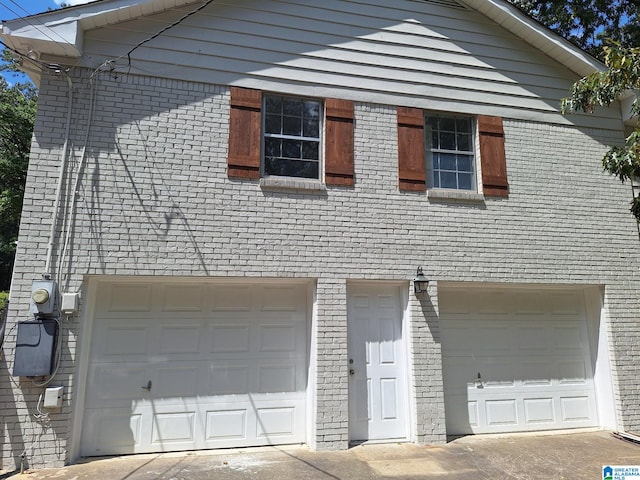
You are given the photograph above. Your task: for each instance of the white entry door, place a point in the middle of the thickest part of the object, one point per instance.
(186, 366)
(515, 360)
(377, 380)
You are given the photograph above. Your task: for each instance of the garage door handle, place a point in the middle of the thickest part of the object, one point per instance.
(147, 387)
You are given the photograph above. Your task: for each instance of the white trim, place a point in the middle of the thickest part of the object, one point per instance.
(598, 328)
(312, 359)
(83, 344)
(537, 35)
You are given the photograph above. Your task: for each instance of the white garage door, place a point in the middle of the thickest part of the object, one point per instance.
(177, 366)
(515, 360)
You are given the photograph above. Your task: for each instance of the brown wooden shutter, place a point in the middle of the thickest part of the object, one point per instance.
(492, 156)
(412, 172)
(339, 142)
(245, 136)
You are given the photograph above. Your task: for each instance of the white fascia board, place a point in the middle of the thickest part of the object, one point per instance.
(63, 39)
(60, 32)
(537, 35)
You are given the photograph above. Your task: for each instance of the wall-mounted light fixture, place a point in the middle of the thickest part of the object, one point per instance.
(420, 282)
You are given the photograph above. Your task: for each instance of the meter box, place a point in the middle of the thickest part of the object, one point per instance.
(43, 297)
(35, 348)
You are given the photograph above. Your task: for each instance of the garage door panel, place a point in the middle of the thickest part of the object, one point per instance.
(229, 379)
(535, 369)
(109, 431)
(217, 370)
(572, 372)
(175, 427)
(182, 298)
(536, 373)
(115, 383)
(130, 297)
(279, 299)
(176, 381)
(122, 340)
(277, 338)
(276, 378)
(230, 338)
(532, 339)
(576, 408)
(501, 412)
(568, 338)
(180, 339)
(539, 411)
(275, 422)
(230, 298)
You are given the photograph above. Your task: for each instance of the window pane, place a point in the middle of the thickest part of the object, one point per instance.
(292, 168)
(432, 122)
(310, 150)
(448, 141)
(447, 162)
(311, 109)
(272, 147)
(436, 179)
(463, 125)
(274, 105)
(464, 181)
(272, 124)
(448, 180)
(291, 148)
(464, 142)
(311, 127)
(447, 124)
(464, 163)
(291, 126)
(435, 141)
(292, 106)
(436, 161)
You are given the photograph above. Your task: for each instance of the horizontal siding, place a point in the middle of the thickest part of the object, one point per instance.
(415, 53)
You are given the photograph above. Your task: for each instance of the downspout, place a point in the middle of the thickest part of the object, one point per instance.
(63, 164)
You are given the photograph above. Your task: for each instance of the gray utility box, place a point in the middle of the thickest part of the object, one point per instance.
(35, 348)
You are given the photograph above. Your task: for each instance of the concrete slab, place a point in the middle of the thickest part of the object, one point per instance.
(567, 456)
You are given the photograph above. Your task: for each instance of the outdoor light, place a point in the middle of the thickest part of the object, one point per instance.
(420, 283)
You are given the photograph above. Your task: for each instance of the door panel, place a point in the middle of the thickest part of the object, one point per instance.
(377, 387)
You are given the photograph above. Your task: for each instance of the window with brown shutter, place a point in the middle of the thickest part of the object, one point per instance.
(412, 173)
(244, 133)
(339, 169)
(492, 156)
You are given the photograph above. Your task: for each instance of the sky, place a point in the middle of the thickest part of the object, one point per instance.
(11, 9)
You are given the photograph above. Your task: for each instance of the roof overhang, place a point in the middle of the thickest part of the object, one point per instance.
(59, 33)
(537, 35)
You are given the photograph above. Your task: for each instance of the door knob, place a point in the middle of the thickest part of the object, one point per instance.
(147, 387)
(352, 371)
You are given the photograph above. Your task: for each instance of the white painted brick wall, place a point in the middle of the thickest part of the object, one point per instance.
(155, 200)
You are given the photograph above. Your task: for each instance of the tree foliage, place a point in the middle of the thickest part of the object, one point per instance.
(17, 115)
(589, 24)
(622, 77)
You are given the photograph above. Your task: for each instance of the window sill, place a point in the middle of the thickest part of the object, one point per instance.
(286, 184)
(454, 195)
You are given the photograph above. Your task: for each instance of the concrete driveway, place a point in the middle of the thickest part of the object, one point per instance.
(568, 456)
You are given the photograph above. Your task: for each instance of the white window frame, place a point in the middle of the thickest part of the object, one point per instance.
(430, 150)
(319, 139)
